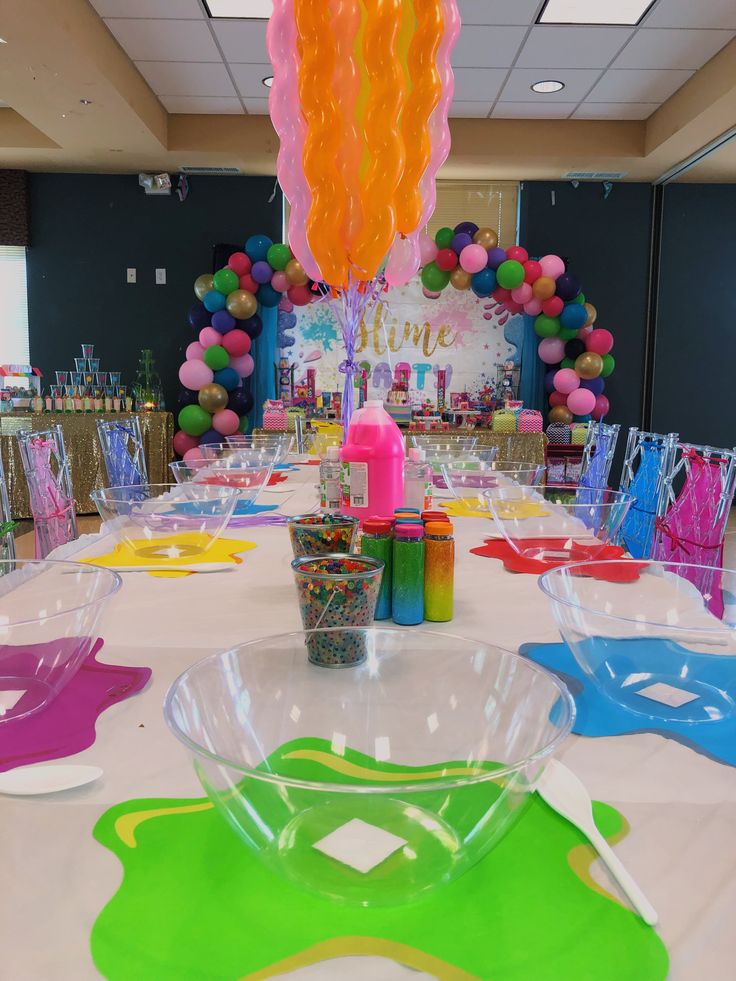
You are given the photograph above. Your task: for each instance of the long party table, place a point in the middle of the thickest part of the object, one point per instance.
(84, 452)
(680, 805)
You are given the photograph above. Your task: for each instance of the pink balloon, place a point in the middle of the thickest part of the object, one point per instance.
(236, 343)
(183, 442)
(195, 351)
(552, 350)
(404, 259)
(208, 337)
(533, 307)
(243, 365)
(552, 266)
(557, 398)
(566, 381)
(522, 294)
(240, 263)
(430, 294)
(193, 454)
(427, 249)
(226, 422)
(279, 281)
(599, 341)
(195, 374)
(581, 401)
(473, 258)
(601, 407)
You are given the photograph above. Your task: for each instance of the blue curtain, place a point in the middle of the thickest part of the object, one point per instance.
(531, 383)
(263, 379)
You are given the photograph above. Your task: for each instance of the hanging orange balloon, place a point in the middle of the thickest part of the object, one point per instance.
(346, 22)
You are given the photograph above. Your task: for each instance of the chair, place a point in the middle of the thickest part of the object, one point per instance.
(598, 453)
(7, 539)
(48, 474)
(122, 451)
(649, 460)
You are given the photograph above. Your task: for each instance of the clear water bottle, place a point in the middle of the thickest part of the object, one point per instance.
(330, 481)
(417, 481)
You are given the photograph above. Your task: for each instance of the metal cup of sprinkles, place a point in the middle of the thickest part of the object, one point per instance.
(337, 591)
(322, 534)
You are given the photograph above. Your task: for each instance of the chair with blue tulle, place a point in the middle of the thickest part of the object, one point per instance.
(7, 539)
(50, 493)
(122, 451)
(649, 460)
(598, 452)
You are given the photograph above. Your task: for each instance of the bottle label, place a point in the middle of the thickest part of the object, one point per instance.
(330, 493)
(427, 506)
(355, 485)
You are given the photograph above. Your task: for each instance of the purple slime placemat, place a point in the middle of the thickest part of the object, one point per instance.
(67, 725)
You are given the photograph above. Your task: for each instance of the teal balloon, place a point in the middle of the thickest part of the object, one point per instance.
(257, 246)
(573, 316)
(214, 301)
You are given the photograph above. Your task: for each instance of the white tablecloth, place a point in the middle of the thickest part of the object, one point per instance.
(681, 806)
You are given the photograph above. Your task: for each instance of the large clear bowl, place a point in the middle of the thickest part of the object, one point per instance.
(427, 440)
(412, 765)
(558, 523)
(245, 471)
(658, 638)
(166, 521)
(281, 442)
(468, 479)
(271, 453)
(49, 613)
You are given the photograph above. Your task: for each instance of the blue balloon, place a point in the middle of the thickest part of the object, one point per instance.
(582, 418)
(594, 385)
(214, 301)
(257, 246)
(573, 316)
(211, 436)
(228, 378)
(253, 326)
(267, 296)
(549, 380)
(483, 283)
(223, 321)
(459, 242)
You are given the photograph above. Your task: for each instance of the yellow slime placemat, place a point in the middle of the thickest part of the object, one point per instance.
(187, 548)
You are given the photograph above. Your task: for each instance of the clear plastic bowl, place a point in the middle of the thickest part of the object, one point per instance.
(557, 523)
(49, 613)
(416, 762)
(468, 479)
(246, 471)
(658, 638)
(282, 442)
(425, 440)
(160, 521)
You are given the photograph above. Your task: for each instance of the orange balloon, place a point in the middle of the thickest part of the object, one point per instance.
(460, 279)
(560, 413)
(543, 288)
(346, 22)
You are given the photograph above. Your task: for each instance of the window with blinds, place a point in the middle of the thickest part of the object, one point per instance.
(490, 204)
(14, 345)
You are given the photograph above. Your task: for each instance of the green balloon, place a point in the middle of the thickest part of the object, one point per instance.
(243, 424)
(226, 281)
(194, 420)
(279, 256)
(580, 298)
(567, 363)
(443, 239)
(510, 274)
(568, 333)
(434, 278)
(609, 363)
(545, 326)
(216, 357)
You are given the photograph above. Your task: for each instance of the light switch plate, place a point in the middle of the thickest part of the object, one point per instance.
(131, 276)
(160, 277)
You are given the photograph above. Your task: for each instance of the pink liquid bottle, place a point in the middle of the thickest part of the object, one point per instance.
(373, 464)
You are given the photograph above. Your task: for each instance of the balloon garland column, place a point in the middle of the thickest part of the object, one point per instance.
(213, 403)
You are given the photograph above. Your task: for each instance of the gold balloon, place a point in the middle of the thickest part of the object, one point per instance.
(203, 284)
(212, 397)
(588, 365)
(241, 304)
(592, 314)
(486, 237)
(460, 279)
(560, 413)
(295, 273)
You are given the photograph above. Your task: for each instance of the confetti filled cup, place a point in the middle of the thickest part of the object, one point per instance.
(337, 591)
(321, 534)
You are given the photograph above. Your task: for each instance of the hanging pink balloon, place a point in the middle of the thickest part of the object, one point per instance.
(280, 281)
(194, 454)
(243, 365)
(195, 374)
(208, 337)
(599, 341)
(566, 381)
(601, 407)
(226, 422)
(552, 266)
(551, 350)
(473, 258)
(581, 401)
(403, 260)
(522, 294)
(427, 248)
(533, 307)
(195, 351)
(183, 443)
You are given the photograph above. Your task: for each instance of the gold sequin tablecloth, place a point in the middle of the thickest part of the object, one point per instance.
(83, 450)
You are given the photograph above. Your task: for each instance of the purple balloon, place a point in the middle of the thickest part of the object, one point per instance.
(468, 227)
(240, 402)
(223, 321)
(496, 257)
(567, 287)
(594, 385)
(261, 272)
(211, 436)
(460, 241)
(549, 379)
(198, 316)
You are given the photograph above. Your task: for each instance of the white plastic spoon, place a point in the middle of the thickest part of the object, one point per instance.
(27, 780)
(566, 794)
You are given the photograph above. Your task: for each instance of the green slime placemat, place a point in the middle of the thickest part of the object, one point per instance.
(196, 904)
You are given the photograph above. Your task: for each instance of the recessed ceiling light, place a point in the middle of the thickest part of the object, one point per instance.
(548, 85)
(240, 9)
(3, 41)
(628, 12)
(268, 81)
(86, 102)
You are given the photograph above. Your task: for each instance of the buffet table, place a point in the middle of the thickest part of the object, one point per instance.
(83, 450)
(680, 806)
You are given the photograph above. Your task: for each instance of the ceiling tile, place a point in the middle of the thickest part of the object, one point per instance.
(498, 11)
(249, 79)
(577, 83)
(572, 47)
(181, 9)
(197, 104)
(685, 13)
(478, 84)
(165, 40)
(258, 107)
(528, 110)
(468, 110)
(242, 40)
(615, 110)
(670, 48)
(642, 85)
(488, 47)
(186, 78)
